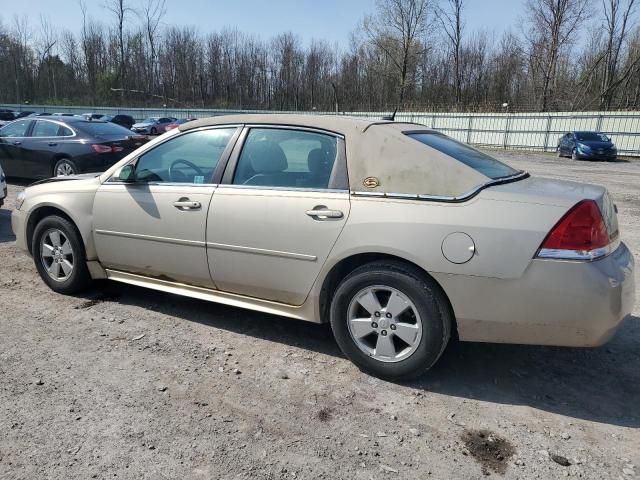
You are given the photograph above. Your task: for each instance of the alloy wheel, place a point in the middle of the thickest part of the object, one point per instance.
(384, 323)
(56, 254)
(64, 169)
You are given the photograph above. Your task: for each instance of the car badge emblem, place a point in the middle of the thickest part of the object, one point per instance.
(371, 182)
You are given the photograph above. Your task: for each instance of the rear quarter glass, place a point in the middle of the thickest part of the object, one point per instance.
(479, 161)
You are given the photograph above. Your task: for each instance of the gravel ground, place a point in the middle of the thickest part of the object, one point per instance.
(130, 383)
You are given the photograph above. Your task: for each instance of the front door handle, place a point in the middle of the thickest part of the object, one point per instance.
(17, 142)
(323, 212)
(186, 204)
(52, 144)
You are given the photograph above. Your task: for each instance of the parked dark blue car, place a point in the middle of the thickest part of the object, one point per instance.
(587, 146)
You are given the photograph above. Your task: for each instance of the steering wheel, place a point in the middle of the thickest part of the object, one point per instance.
(173, 172)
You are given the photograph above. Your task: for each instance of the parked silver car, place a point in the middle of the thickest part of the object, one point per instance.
(152, 125)
(397, 235)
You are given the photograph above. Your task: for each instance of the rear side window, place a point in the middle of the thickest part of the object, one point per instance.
(481, 162)
(103, 128)
(274, 157)
(188, 158)
(43, 128)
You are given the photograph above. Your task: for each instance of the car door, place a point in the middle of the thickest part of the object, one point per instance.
(155, 226)
(274, 220)
(41, 148)
(12, 151)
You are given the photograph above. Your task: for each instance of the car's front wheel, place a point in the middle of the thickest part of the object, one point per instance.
(391, 320)
(574, 154)
(154, 131)
(59, 256)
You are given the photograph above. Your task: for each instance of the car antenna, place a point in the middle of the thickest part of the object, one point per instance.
(391, 117)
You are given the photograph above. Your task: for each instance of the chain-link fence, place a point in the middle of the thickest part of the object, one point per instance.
(526, 131)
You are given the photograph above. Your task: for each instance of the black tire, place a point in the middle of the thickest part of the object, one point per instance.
(431, 305)
(65, 164)
(574, 155)
(559, 152)
(154, 131)
(79, 277)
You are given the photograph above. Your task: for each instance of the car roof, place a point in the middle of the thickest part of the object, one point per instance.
(379, 149)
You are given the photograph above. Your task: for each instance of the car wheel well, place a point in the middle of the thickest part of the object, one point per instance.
(41, 213)
(347, 265)
(57, 157)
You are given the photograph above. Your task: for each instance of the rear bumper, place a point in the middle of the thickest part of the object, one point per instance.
(564, 303)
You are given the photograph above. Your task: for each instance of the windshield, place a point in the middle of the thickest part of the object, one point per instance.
(151, 120)
(481, 162)
(591, 137)
(102, 128)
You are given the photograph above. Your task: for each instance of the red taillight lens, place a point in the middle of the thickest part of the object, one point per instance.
(101, 148)
(581, 231)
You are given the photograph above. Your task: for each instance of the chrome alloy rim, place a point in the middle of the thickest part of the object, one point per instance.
(64, 169)
(384, 323)
(56, 254)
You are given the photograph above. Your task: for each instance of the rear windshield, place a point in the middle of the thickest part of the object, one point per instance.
(481, 162)
(102, 128)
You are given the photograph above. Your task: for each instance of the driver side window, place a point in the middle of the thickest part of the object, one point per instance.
(188, 158)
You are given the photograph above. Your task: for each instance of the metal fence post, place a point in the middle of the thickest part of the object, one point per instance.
(507, 125)
(469, 127)
(546, 133)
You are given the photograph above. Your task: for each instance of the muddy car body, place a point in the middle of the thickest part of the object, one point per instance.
(397, 235)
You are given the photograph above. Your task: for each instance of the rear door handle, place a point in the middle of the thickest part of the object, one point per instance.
(186, 204)
(17, 142)
(321, 213)
(52, 144)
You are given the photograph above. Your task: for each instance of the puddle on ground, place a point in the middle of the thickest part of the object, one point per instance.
(490, 450)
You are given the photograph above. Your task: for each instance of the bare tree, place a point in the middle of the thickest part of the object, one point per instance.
(120, 9)
(552, 25)
(618, 22)
(450, 18)
(152, 13)
(398, 30)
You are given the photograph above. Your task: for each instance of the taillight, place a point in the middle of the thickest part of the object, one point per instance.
(580, 235)
(101, 148)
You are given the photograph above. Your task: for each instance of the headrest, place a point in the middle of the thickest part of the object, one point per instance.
(267, 157)
(318, 162)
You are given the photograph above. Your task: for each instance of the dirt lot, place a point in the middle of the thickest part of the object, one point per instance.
(128, 383)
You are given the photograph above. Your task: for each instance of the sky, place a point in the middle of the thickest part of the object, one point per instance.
(332, 20)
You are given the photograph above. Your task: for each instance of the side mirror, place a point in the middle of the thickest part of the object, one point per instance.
(127, 174)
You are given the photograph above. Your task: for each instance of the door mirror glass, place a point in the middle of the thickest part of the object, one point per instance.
(127, 174)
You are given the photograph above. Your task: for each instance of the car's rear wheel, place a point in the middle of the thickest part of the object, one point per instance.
(59, 256)
(64, 167)
(391, 320)
(559, 151)
(154, 131)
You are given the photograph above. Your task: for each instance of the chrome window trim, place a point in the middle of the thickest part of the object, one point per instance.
(286, 126)
(35, 122)
(283, 189)
(340, 160)
(180, 133)
(441, 198)
(578, 255)
(160, 184)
